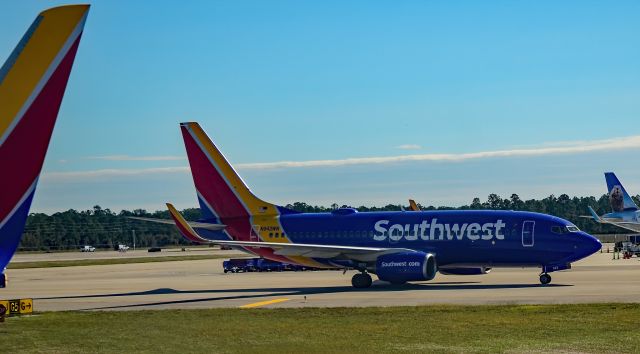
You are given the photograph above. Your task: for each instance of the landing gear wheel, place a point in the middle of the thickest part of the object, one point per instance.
(361, 280)
(545, 278)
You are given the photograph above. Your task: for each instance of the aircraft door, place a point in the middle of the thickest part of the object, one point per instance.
(528, 228)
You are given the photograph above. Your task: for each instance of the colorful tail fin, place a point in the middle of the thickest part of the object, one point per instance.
(221, 192)
(32, 83)
(618, 197)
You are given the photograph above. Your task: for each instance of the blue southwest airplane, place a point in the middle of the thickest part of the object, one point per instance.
(624, 211)
(32, 83)
(396, 246)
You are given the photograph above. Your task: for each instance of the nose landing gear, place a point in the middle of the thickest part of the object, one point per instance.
(545, 278)
(361, 280)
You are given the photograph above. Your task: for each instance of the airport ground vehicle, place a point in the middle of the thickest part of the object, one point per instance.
(239, 265)
(87, 249)
(236, 265)
(629, 248)
(123, 248)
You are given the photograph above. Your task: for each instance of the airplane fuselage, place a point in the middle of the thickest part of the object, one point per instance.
(482, 238)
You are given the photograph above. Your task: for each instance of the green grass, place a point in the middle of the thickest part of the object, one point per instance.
(89, 262)
(598, 328)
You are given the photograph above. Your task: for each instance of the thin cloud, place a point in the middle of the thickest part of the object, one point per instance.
(580, 147)
(135, 158)
(409, 147)
(560, 148)
(111, 172)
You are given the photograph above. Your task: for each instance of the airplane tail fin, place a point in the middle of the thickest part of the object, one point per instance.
(221, 192)
(32, 84)
(618, 197)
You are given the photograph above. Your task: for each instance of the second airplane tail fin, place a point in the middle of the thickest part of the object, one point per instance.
(618, 197)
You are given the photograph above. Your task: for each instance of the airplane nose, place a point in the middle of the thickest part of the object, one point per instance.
(589, 244)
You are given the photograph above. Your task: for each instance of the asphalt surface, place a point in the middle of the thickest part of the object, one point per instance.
(202, 284)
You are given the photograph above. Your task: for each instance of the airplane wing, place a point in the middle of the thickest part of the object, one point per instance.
(629, 225)
(200, 225)
(364, 254)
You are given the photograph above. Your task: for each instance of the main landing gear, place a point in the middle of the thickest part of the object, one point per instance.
(545, 278)
(361, 280)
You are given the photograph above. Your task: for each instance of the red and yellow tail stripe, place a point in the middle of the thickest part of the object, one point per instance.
(32, 84)
(248, 218)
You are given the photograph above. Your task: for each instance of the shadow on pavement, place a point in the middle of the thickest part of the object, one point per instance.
(257, 293)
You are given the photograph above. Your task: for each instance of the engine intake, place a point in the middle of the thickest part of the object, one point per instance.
(406, 266)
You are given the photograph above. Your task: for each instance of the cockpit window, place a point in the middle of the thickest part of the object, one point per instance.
(561, 230)
(557, 230)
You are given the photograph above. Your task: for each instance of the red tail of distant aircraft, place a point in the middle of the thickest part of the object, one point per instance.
(32, 84)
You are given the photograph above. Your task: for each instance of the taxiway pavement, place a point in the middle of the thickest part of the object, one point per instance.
(202, 284)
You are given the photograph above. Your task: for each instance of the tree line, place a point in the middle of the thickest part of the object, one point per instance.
(104, 228)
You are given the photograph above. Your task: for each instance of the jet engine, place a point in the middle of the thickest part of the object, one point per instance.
(402, 267)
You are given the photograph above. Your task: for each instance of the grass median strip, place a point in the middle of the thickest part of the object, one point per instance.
(109, 261)
(585, 328)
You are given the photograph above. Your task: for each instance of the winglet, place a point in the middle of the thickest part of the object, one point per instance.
(594, 215)
(413, 206)
(183, 226)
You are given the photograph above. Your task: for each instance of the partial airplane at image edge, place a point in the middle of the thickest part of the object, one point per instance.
(32, 84)
(625, 212)
(396, 246)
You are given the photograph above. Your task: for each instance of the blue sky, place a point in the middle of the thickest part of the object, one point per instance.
(300, 81)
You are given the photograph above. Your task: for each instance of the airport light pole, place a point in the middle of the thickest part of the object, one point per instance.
(134, 239)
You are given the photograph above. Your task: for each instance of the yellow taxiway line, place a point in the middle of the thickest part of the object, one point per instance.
(263, 303)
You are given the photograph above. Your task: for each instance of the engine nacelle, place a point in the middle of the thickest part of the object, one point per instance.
(465, 271)
(406, 266)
